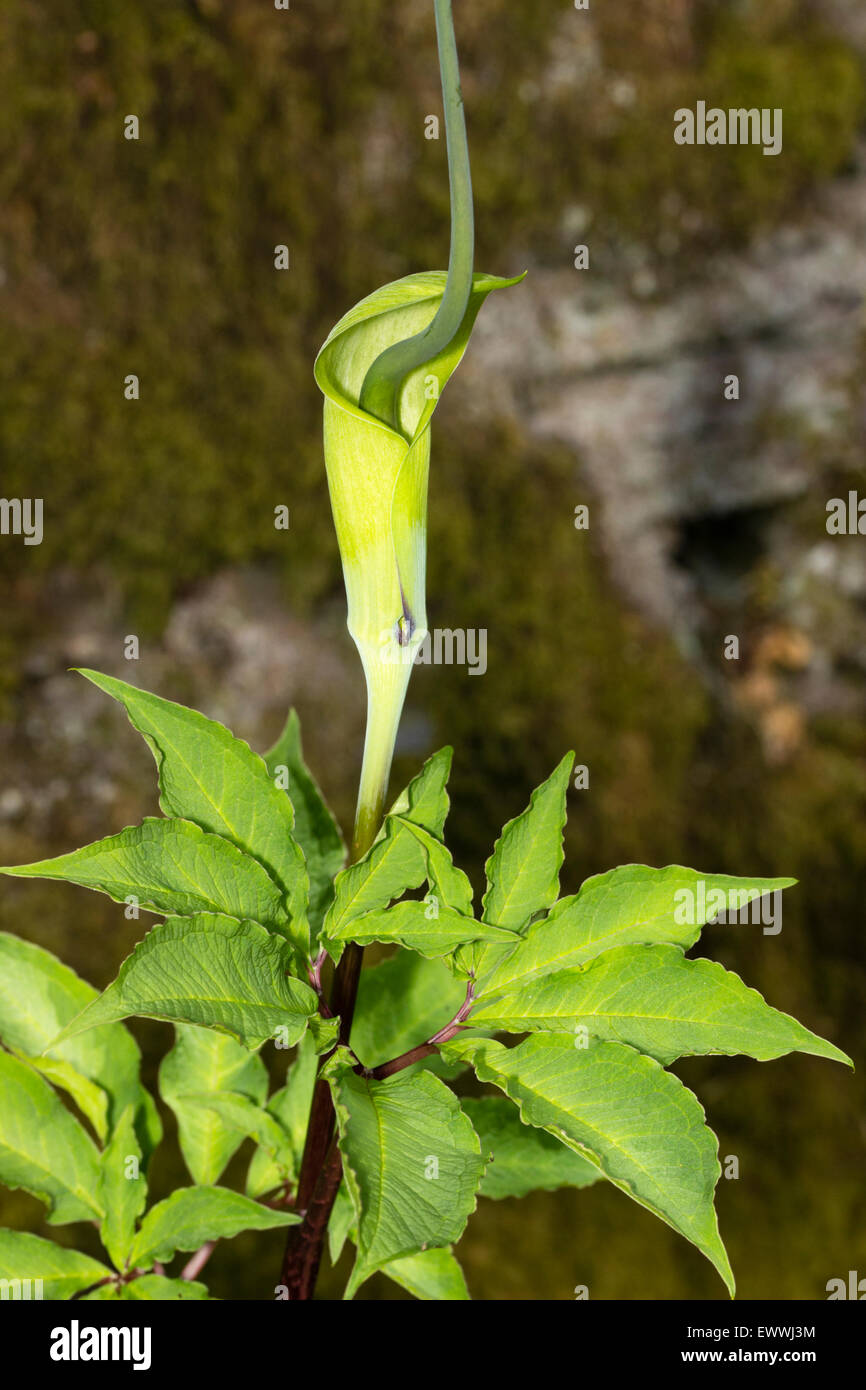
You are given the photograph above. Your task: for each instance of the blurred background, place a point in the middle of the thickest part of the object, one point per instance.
(601, 388)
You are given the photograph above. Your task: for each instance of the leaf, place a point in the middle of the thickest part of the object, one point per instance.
(622, 1111)
(63, 1272)
(203, 1062)
(148, 1125)
(213, 971)
(425, 800)
(631, 905)
(431, 1275)
(43, 1149)
(396, 862)
(449, 883)
(91, 1100)
(411, 1160)
(122, 1190)
(341, 1222)
(193, 1215)
(208, 776)
(656, 1000)
(409, 924)
(39, 995)
(147, 1288)
(402, 1002)
(291, 1107)
(523, 871)
(253, 1121)
(152, 1288)
(316, 830)
(171, 866)
(521, 1159)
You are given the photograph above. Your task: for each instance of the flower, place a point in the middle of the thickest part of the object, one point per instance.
(377, 477)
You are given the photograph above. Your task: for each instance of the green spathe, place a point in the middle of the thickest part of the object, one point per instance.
(377, 477)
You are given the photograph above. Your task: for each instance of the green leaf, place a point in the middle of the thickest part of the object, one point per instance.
(290, 1106)
(622, 1111)
(148, 1125)
(153, 1288)
(213, 971)
(122, 1189)
(410, 924)
(63, 1272)
(402, 1002)
(450, 884)
(91, 1100)
(193, 1215)
(656, 1000)
(523, 871)
(39, 995)
(316, 830)
(431, 1275)
(253, 1121)
(43, 1149)
(208, 776)
(411, 1160)
(521, 1159)
(341, 1223)
(396, 862)
(631, 905)
(203, 1062)
(171, 866)
(149, 1288)
(425, 800)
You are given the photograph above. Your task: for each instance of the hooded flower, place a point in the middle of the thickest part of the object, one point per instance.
(377, 476)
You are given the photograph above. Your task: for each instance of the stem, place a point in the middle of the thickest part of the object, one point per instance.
(416, 1054)
(380, 392)
(196, 1264)
(321, 1165)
